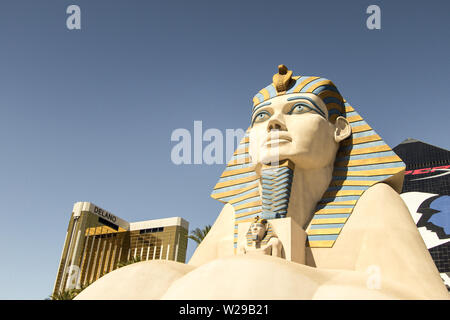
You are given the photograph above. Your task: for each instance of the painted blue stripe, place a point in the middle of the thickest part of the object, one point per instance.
(363, 145)
(239, 186)
(260, 96)
(246, 217)
(239, 156)
(322, 237)
(341, 198)
(372, 166)
(325, 87)
(351, 114)
(331, 216)
(367, 156)
(327, 100)
(246, 201)
(333, 206)
(361, 178)
(239, 166)
(272, 91)
(297, 82)
(326, 226)
(334, 188)
(364, 134)
(237, 176)
(227, 199)
(305, 88)
(247, 209)
(334, 111)
(358, 123)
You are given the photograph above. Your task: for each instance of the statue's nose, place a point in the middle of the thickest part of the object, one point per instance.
(276, 124)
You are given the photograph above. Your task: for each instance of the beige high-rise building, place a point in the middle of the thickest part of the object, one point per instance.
(97, 242)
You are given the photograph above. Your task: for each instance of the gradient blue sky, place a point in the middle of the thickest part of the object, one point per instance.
(88, 115)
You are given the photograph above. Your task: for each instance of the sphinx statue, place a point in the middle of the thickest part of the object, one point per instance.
(310, 161)
(260, 239)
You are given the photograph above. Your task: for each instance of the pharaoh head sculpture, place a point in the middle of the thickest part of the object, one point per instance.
(260, 231)
(311, 126)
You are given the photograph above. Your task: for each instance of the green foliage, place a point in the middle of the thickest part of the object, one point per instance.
(199, 234)
(68, 294)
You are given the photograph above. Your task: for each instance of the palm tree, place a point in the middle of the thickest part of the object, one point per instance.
(199, 234)
(68, 294)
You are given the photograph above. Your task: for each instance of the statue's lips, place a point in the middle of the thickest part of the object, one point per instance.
(276, 139)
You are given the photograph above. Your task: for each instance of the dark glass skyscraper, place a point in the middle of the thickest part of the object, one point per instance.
(426, 191)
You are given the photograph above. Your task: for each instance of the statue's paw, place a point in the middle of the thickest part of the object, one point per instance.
(142, 280)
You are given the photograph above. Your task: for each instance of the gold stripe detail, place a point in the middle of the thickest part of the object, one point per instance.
(324, 231)
(354, 152)
(239, 161)
(228, 173)
(302, 84)
(329, 93)
(318, 84)
(321, 244)
(349, 109)
(235, 182)
(347, 202)
(352, 183)
(240, 215)
(246, 196)
(364, 127)
(233, 192)
(248, 205)
(340, 193)
(255, 101)
(246, 220)
(241, 151)
(265, 93)
(334, 105)
(362, 162)
(334, 211)
(354, 118)
(369, 173)
(360, 140)
(328, 221)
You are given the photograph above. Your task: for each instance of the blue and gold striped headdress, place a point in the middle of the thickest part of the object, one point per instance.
(363, 159)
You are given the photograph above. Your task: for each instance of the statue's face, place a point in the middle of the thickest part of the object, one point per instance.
(257, 231)
(296, 127)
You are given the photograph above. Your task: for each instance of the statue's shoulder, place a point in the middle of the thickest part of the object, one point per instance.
(383, 208)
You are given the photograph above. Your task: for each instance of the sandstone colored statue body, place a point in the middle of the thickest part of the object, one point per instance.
(310, 158)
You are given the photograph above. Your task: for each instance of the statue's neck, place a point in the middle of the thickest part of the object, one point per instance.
(308, 187)
(289, 191)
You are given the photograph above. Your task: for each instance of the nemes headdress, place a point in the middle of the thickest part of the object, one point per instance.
(363, 159)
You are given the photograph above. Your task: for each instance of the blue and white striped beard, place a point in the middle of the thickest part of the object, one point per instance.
(276, 184)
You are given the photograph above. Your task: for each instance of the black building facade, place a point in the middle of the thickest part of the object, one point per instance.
(428, 172)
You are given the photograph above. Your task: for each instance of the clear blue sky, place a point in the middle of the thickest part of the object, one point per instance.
(87, 115)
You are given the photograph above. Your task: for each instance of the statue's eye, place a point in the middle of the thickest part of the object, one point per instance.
(299, 108)
(261, 116)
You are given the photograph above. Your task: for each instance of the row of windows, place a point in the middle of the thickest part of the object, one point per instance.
(108, 235)
(151, 230)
